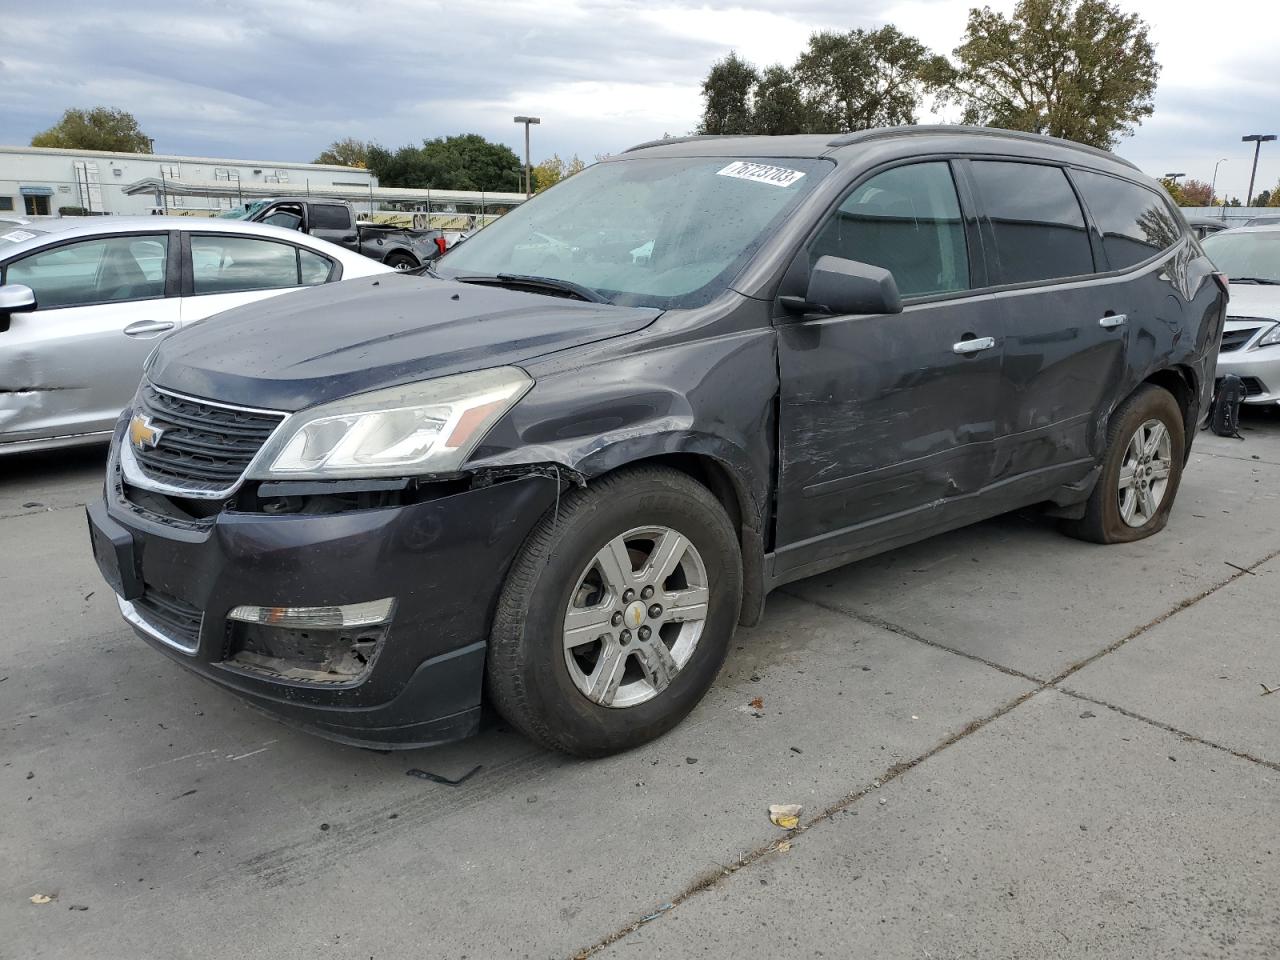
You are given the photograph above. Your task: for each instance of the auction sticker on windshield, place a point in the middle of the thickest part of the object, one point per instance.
(761, 173)
(17, 236)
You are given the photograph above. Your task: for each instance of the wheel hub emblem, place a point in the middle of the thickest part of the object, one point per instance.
(634, 615)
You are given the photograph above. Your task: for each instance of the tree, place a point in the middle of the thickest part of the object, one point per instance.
(97, 128)
(464, 162)
(1196, 193)
(726, 96)
(778, 106)
(347, 152)
(554, 169)
(866, 78)
(1079, 69)
(1171, 187)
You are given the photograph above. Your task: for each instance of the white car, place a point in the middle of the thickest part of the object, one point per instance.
(83, 303)
(1250, 257)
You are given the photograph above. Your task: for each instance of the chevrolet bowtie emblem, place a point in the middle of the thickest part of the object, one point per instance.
(143, 434)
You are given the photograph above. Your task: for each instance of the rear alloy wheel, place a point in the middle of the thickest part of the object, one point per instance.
(401, 262)
(617, 613)
(1140, 471)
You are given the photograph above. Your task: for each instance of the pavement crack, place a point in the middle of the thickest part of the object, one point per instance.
(1169, 728)
(713, 878)
(872, 620)
(1151, 624)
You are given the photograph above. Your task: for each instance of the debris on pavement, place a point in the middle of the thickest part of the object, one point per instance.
(78, 906)
(436, 778)
(757, 703)
(40, 898)
(796, 750)
(1267, 691)
(1088, 715)
(690, 759)
(657, 913)
(785, 815)
(1241, 569)
(784, 846)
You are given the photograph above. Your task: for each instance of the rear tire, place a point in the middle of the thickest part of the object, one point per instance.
(611, 692)
(400, 261)
(1141, 471)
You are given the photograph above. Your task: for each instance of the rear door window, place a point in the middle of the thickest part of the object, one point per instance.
(1136, 223)
(1039, 228)
(329, 216)
(906, 220)
(231, 264)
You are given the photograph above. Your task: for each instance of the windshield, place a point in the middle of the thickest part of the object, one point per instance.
(1253, 254)
(644, 232)
(242, 213)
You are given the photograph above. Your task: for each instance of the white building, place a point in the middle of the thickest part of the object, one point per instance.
(38, 181)
(41, 181)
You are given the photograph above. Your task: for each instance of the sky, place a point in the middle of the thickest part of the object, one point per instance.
(280, 79)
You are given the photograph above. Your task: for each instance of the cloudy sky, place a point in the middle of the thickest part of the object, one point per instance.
(279, 79)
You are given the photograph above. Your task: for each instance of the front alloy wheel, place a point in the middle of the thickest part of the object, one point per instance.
(617, 613)
(635, 617)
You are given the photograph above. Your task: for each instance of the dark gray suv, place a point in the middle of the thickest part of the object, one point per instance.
(557, 473)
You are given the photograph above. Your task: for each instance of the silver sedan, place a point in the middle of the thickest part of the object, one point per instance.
(83, 302)
(1250, 257)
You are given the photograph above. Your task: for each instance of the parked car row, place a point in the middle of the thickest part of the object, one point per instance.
(552, 475)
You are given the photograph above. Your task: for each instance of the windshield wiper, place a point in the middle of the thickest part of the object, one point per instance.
(1263, 280)
(544, 283)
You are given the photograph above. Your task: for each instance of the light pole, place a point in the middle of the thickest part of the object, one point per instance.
(1174, 177)
(1257, 139)
(528, 170)
(1213, 185)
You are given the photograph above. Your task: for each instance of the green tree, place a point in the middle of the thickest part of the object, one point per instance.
(726, 96)
(97, 128)
(866, 78)
(464, 162)
(778, 106)
(347, 152)
(1079, 69)
(554, 169)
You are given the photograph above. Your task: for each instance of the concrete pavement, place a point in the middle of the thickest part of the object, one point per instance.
(1070, 743)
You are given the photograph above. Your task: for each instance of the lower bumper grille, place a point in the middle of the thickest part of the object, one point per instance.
(166, 618)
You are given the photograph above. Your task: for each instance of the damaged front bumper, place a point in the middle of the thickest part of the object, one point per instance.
(410, 676)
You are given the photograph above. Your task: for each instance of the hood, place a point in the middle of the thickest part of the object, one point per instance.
(335, 340)
(1253, 301)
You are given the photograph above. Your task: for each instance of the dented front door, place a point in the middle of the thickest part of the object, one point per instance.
(882, 422)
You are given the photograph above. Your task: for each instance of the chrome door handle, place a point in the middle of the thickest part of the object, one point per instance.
(142, 327)
(975, 345)
(1113, 321)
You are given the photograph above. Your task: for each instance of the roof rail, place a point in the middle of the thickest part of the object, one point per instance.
(934, 129)
(689, 139)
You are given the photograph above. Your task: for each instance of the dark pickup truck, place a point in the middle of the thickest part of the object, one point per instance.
(335, 221)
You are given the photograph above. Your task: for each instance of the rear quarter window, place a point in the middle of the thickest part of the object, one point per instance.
(1136, 223)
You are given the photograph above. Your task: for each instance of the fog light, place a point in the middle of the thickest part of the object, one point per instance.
(365, 614)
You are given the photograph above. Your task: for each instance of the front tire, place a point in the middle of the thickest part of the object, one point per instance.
(617, 614)
(1140, 472)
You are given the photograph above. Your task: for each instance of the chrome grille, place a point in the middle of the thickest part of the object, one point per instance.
(204, 445)
(1235, 339)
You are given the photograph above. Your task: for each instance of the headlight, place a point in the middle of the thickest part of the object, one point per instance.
(427, 427)
(1271, 339)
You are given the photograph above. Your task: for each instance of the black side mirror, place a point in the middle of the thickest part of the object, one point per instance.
(838, 286)
(15, 298)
